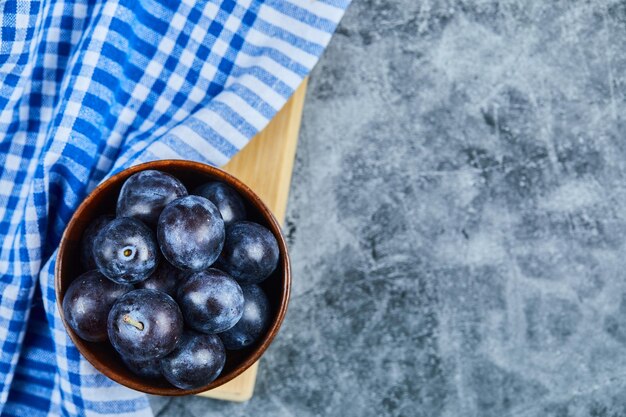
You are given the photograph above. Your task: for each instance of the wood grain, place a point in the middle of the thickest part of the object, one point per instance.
(265, 165)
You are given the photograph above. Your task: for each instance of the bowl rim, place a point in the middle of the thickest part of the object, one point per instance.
(285, 266)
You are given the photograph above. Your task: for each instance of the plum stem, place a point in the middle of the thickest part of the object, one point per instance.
(128, 319)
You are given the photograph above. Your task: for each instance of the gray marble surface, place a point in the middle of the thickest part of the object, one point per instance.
(457, 218)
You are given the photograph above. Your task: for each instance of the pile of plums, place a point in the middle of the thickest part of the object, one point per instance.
(172, 279)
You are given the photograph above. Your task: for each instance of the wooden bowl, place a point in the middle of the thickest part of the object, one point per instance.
(103, 200)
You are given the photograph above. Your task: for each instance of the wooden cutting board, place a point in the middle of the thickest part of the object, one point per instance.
(265, 165)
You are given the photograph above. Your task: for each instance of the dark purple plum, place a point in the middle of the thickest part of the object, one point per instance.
(87, 303)
(147, 369)
(166, 278)
(191, 233)
(254, 321)
(211, 301)
(126, 251)
(250, 253)
(145, 194)
(226, 199)
(89, 235)
(197, 360)
(145, 325)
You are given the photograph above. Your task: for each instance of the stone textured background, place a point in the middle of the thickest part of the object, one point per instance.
(457, 218)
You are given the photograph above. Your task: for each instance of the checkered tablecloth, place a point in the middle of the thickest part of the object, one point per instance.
(90, 87)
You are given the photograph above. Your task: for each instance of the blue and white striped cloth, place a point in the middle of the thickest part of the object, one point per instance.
(90, 87)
